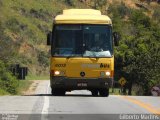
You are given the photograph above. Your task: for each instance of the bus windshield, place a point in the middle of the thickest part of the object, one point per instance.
(82, 41)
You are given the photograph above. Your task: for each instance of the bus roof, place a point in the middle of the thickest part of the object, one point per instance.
(82, 16)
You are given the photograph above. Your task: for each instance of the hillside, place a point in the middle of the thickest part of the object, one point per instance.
(24, 25)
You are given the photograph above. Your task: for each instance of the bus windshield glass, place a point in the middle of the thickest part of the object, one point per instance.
(82, 41)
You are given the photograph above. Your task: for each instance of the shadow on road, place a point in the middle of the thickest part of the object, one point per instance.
(67, 95)
(38, 95)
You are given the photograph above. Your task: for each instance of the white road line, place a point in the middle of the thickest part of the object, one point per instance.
(45, 105)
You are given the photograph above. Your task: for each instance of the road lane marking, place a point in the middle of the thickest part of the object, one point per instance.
(46, 102)
(143, 105)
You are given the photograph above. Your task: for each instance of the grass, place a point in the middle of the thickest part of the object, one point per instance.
(2, 92)
(23, 86)
(116, 91)
(36, 77)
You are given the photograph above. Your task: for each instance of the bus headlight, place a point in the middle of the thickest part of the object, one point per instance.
(108, 74)
(56, 72)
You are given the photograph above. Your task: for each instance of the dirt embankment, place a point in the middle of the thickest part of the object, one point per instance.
(32, 87)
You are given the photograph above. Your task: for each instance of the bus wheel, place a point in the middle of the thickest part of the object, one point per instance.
(94, 92)
(104, 92)
(62, 92)
(58, 92)
(54, 92)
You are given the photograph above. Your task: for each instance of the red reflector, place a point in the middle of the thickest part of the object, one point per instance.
(52, 72)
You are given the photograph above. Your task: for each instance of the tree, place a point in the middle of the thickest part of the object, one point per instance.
(137, 57)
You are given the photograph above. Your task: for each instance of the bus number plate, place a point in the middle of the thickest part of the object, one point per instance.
(82, 84)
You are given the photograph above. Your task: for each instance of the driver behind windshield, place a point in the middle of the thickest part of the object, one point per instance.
(100, 44)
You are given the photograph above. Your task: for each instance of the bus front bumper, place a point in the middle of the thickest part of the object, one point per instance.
(80, 83)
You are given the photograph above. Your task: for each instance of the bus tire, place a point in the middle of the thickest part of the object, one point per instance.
(104, 92)
(94, 92)
(58, 92)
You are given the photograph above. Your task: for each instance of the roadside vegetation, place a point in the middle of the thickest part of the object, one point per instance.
(138, 54)
(35, 77)
(23, 86)
(23, 28)
(8, 83)
(24, 24)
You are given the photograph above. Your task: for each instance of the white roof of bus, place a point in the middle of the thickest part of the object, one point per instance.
(83, 16)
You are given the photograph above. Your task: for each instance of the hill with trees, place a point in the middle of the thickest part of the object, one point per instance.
(24, 25)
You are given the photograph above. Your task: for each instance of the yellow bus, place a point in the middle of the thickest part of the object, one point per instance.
(81, 52)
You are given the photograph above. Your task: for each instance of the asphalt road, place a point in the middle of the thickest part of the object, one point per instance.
(78, 105)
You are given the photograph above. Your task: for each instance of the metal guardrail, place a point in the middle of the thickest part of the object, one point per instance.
(19, 72)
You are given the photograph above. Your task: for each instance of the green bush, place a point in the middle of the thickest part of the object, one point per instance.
(8, 83)
(3, 92)
(123, 10)
(139, 19)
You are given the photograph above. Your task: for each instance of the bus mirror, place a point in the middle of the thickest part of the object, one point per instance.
(49, 38)
(116, 37)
